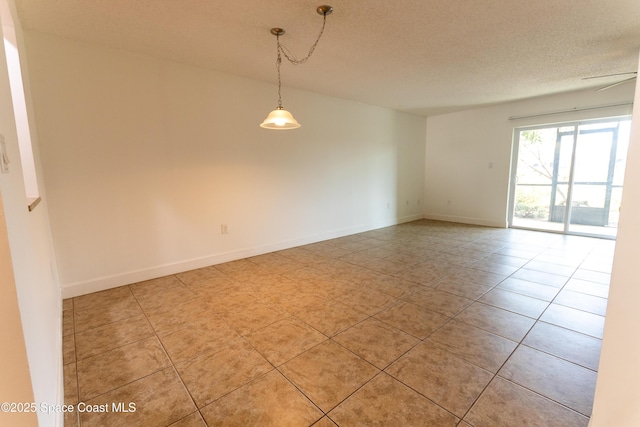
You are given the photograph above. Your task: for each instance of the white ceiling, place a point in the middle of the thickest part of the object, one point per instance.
(420, 56)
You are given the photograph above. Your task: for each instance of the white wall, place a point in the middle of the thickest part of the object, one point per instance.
(617, 399)
(32, 259)
(460, 185)
(14, 369)
(144, 159)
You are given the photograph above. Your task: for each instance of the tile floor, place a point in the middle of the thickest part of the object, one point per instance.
(421, 324)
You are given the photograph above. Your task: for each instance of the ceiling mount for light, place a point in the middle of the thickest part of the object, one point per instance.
(324, 10)
(281, 118)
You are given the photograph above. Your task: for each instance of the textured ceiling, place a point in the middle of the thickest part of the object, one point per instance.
(420, 56)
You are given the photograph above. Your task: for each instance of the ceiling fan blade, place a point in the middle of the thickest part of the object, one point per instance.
(616, 84)
(609, 75)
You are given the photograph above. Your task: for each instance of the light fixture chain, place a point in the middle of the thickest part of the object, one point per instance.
(289, 55)
(278, 63)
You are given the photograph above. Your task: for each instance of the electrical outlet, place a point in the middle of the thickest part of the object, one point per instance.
(224, 229)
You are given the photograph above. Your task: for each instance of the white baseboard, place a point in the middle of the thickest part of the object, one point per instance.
(71, 290)
(467, 220)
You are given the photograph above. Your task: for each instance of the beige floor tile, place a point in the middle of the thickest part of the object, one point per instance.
(412, 278)
(159, 295)
(331, 317)
(580, 301)
(204, 277)
(515, 302)
(230, 300)
(507, 259)
(324, 422)
(271, 259)
(326, 289)
(213, 286)
(497, 321)
(294, 302)
(352, 269)
(102, 298)
(269, 400)
(67, 321)
(284, 340)
(380, 265)
(159, 400)
(103, 338)
(212, 375)
(309, 273)
(104, 307)
(494, 267)
(592, 276)
(390, 285)
(442, 377)
(69, 349)
(474, 345)
(463, 287)
(367, 301)
(326, 250)
(247, 320)
(601, 266)
(376, 342)
(386, 402)
(557, 379)
(328, 373)
(505, 404)
(70, 384)
(191, 420)
(459, 259)
(199, 337)
(575, 347)
(576, 320)
(530, 289)
(541, 277)
(438, 301)
(547, 267)
(120, 366)
(587, 287)
(237, 265)
(200, 275)
(302, 255)
(478, 277)
(412, 319)
(71, 419)
(182, 314)
(425, 274)
(520, 251)
(337, 287)
(248, 274)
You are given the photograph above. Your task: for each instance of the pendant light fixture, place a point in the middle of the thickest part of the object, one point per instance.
(280, 118)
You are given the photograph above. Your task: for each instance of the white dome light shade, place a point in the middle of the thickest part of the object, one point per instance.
(280, 119)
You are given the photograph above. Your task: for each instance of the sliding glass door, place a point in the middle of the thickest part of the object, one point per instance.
(568, 177)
